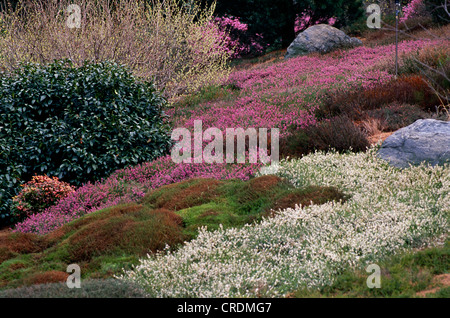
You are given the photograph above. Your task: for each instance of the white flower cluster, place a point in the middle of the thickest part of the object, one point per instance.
(389, 210)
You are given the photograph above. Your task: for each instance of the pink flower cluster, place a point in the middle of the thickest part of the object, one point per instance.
(236, 38)
(415, 8)
(303, 21)
(231, 22)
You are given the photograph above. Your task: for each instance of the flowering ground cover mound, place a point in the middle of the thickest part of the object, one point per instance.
(389, 211)
(105, 241)
(417, 273)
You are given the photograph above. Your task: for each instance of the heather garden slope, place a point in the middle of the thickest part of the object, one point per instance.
(146, 226)
(290, 96)
(405, 208)
(105, 241)
(389, 211)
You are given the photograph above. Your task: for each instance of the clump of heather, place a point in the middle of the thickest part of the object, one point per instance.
(38, 194)
(237, 39)
(126, 186)
(303, 21)
(415, 8)
(389, 211)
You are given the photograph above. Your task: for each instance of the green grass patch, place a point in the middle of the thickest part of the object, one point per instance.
(233, 203)
(211, 215)
(404, 275)
(207, 94)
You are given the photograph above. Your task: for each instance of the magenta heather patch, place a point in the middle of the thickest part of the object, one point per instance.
(86, 199)
(286, 94)
(127, 185)
(416, 8)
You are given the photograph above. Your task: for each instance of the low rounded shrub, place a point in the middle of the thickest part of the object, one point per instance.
(77, 123)
(47, 277)
(338, 133)
(14, 244)
(406, 89)
(120, 230)
(397, 116)
(37, 195)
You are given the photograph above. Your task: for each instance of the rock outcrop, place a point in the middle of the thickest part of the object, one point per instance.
(322, 38)
(426, 140)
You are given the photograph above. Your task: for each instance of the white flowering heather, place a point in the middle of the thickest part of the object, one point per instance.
(389, 210)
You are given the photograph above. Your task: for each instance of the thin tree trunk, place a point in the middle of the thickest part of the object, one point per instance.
(287, 10)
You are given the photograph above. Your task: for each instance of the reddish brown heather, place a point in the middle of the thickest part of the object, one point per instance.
(316, 195)
(185, 194)
(12, 244)
(132, 228)
(46, 278)
(56, 235)
(264, 183)
(407, 89)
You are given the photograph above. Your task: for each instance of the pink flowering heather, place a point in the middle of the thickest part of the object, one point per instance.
(284, 95)
(237, 40)
(303, 21)
(127, 185)
(415, 8)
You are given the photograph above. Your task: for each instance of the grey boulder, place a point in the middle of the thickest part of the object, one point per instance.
(426, 140)
(321, 38)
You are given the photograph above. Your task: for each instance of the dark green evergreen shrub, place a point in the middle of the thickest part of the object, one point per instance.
(76, 123)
